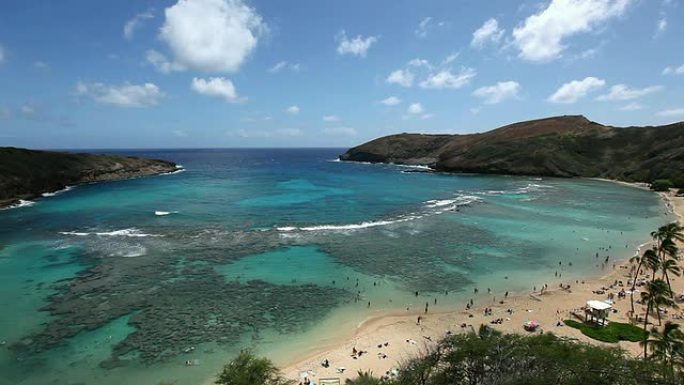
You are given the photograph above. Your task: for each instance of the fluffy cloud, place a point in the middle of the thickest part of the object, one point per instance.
(499, 92)
(403, 78)
(622, 92)
(357, 46)
(540, 37)
(488, 32)
(211, 35)
(284, 65)
(415, 109)
(673, 112)
(447, 79)
(331, 118)
(2, 55)
(391, 101)
(127, 95)
(161, 63)
(674, 70)
(339, 131)
(216, 87)
(133, 24)
(292, 110)
(572, 91)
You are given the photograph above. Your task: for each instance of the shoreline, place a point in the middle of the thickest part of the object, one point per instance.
(406, 338)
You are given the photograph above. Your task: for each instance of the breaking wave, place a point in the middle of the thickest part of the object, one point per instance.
(431, 207)
(53, 193)
(132, 232)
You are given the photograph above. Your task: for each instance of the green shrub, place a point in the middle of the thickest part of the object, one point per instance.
(247, 369)
(661, 185)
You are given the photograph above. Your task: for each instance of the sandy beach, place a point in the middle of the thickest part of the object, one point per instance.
(390, 338)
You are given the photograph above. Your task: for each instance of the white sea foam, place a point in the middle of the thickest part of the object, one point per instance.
(21, 203)
(179, 169)
(442, 206)
(132, 232)
(164, 213)
(51, 194)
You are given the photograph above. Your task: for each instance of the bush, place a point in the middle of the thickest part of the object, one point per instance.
(614, 332)
(661, 185)
(680, 193)
(532, 360)
(247, 369)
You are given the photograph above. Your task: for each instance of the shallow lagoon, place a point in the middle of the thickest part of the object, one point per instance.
(272, 249)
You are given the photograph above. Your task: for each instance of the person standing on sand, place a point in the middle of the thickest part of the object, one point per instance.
(419, 319)
(426, 307)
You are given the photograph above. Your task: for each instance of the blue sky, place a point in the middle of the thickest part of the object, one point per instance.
(239, 73)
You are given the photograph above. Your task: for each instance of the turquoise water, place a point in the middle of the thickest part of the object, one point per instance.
(272, 249)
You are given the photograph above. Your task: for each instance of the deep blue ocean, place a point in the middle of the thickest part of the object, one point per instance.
(126, 282)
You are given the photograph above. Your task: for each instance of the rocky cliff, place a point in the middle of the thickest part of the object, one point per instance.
(564, 146)
(26, 174)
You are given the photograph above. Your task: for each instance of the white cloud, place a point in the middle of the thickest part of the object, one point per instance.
(661, 26)
(423, 26)
(633, 106)
(211, 35)
(284, 65)
(126, 95)
(40, 65)
(403, 78)
(540, 37)
(331, 118)
(391, 101)
(447, 79)
(488, 32)
(622, 92)
(499, 92)
(357, 46)
(288, 132)
(2, 55)
(674, 70)
(27, 110)
(418, 62)
(415, 109)
(292, 110)
(180, 133)
(673, 112)
(339, 131)
(216, 87)
(572, 91)
(133, 24)
(161, 63)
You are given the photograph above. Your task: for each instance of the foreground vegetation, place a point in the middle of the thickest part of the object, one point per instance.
(489, 357)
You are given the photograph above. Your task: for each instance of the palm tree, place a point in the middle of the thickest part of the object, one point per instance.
(656, 294)
(363, 378)
(666, 345)
(672, 231)
(670, 267)
(247, 369)
(640, 261)
(652, 260)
